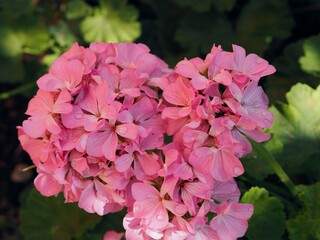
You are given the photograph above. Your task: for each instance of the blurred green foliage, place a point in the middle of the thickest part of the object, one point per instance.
(285, 32)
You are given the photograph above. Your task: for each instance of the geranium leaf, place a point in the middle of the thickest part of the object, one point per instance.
(310, 62)
(296, 131)
(288, 73)
(195, 36)
(224, 5)
(262, 21)
(205, 5)
(52, 219)
(199, 6)
(268, 219)
(62, 35)
(111, 221)
(23, 34)
(113, 21)
(76, 9)
(305, 225)
(12, 69)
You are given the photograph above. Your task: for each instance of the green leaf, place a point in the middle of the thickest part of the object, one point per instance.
(76, 9)
(288, 73)
(296, 131)
(111, 221)
(11, 69)
(199, 6)
(113, 21)
(16, 7)
(306, 224)
(205, 5)
(52, 219)
(23, 34)
(268, 219)
(310, 62)
(224, 5)
(196, 36)
(62, 35)
(255, 165)
(262, 21)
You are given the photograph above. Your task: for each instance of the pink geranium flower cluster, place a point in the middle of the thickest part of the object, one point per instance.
(96, 133)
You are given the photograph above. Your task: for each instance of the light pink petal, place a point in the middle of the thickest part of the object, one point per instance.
(160, 219)
(69, 71)
(41, 104)
(175, 112)
(127, 130)
(186, 69)
(146, 209)
(52, 125)
(226, 165)
(148, 163)
(143, 109)
(125, 116)
(174, 125)
(224, 77)
(47, 185)
(257, 135)
(184, 171)
(202, 159)
(90, 122)
(34, 126)
(73, 119)
(177, 209)
(200, 82)
(236, 92)
(226, 191)
(109, 147)
(112, 235)
(50, 82)
(178, 93)
(239, 56)
(94, 143)
(228, 225)
(62, 104)
(37, 149)
(143, 191)
(194, 139)
(87, 198)
(198, 189)
(123, 162)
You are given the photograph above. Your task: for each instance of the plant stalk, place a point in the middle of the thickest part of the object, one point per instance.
(278, 170)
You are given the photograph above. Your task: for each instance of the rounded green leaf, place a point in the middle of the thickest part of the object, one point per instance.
(76, 9)
(113, 21)
(262, 21)
(52, 219)
(296, 131)
(195, 35)
(310, 62)
(268, 219)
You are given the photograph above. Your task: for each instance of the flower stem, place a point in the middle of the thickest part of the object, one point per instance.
(276, 167)
(21, 89)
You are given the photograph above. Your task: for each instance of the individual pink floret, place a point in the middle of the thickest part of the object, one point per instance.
(43, 109)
